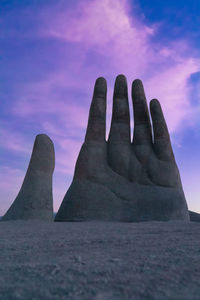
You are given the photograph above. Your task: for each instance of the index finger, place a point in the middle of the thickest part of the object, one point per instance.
(96, 127)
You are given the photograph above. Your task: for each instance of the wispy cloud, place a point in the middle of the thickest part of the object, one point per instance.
(172, 89)
(14, 141)
(117, 42)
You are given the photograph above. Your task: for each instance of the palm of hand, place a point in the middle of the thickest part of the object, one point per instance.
(120, 180)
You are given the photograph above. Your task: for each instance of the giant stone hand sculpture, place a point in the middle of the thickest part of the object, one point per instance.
(120, 180)
(35, 200)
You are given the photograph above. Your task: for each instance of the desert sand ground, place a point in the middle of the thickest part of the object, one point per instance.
(93, 260)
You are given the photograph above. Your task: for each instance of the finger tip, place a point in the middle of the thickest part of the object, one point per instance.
(121, 77)
(137, 82)
(43, 138)
(137, 85)
(137, 88)
(121, 81)
(155, 108)
(154, 100)
(100, 86)
(100, 79)
(154, 103)
(121, 89)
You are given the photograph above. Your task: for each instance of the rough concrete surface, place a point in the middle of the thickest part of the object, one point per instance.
(35, 199)
(122, 179)
(99, 260)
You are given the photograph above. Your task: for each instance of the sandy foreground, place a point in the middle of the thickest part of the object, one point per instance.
(94, 260)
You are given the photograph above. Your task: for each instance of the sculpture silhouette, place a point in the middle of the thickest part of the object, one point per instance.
(35, 200)
(120, 180)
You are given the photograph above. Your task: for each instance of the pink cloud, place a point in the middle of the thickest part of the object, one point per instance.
(14, 141)
(66, 154)
(172, 89)
(126, 44)
(107, 28)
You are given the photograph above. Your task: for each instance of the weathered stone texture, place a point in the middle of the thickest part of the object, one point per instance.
(122, 179)
(35, 200)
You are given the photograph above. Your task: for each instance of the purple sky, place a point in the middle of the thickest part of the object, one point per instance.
(50, 56)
